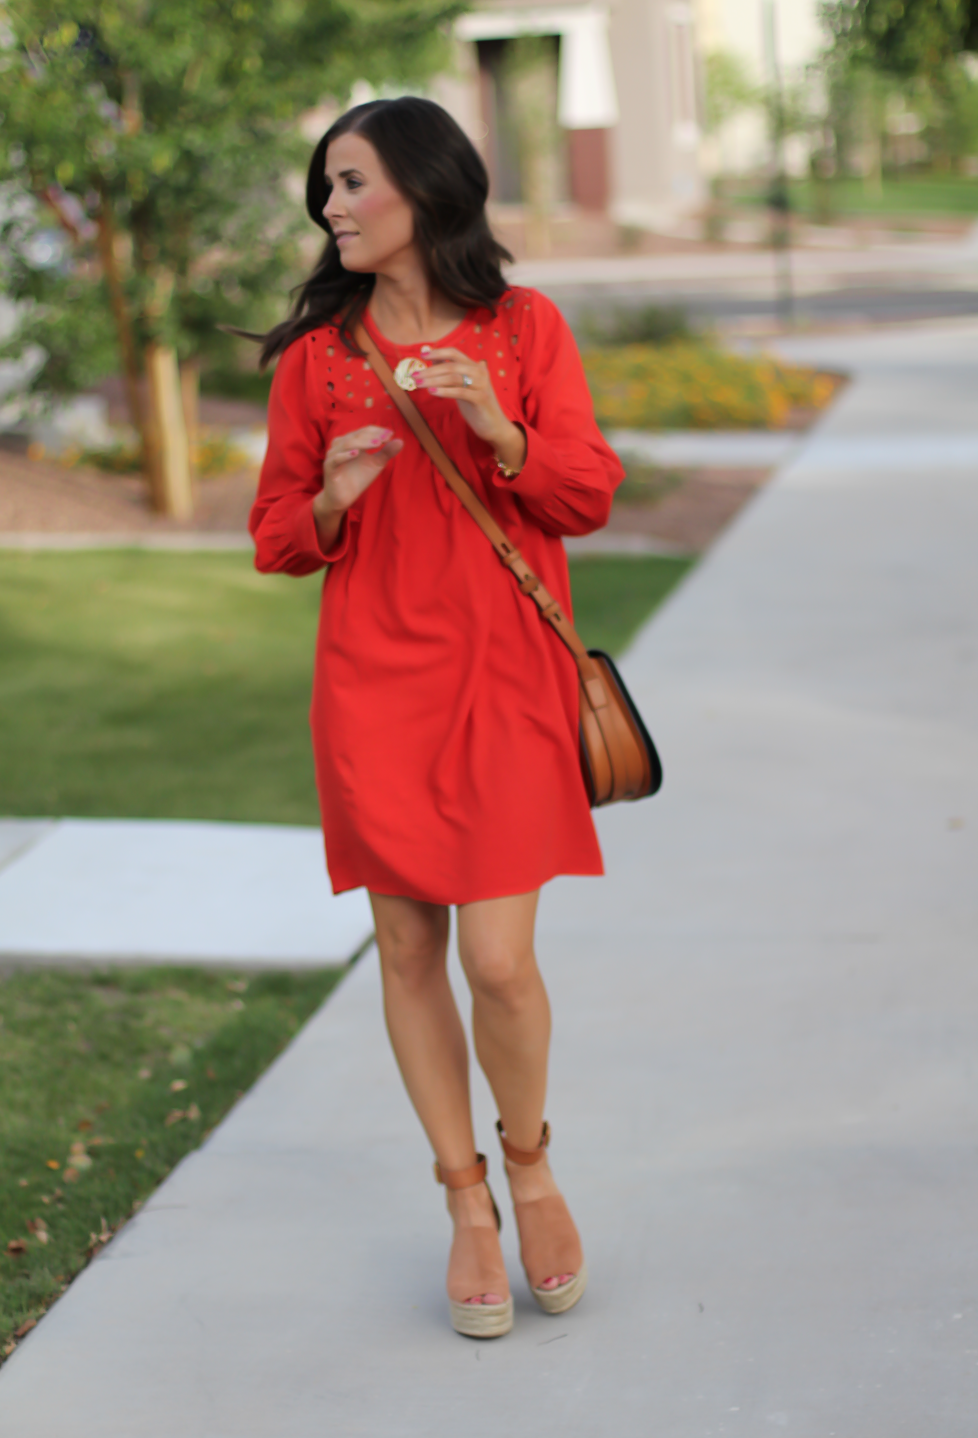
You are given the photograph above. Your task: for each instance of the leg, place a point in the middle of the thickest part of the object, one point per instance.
(429, 1045)
(424, 1026)
(510, 1009)
(511, 1028)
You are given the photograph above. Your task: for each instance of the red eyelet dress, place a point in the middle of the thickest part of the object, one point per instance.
(444, 710)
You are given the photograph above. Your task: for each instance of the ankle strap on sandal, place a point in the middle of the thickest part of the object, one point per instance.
(462, 1177)
(523, 1155)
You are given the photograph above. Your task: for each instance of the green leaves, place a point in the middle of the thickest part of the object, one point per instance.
(183, 115)
(903, 37)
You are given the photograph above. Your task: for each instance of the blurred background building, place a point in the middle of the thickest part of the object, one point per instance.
(742, 43)
(595, 107)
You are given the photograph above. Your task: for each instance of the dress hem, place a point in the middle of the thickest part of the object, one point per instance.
(407, 892)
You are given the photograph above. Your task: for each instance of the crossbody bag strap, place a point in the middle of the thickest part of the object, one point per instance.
(528, 582)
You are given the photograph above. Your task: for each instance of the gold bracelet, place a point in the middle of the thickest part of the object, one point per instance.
(505, 470)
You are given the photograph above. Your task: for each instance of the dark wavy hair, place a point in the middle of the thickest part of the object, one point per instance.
(438, 170)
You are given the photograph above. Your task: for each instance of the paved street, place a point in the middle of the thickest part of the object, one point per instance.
(764, 1084)
(904, 281)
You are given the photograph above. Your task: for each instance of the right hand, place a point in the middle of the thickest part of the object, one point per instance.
(353, 462)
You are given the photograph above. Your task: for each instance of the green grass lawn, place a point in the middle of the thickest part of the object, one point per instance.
(916, 195)
(149, 685)
(106, 1080)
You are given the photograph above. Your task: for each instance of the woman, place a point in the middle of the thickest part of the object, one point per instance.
(444, 714)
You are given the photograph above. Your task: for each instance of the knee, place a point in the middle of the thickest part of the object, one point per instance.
(412, 951)
(500, 973)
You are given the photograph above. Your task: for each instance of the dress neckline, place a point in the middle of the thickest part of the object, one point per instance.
(446, 340)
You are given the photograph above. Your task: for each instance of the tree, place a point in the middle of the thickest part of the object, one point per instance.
(969, 40)
(728, 89)
(530, 79)
(65, 324)
(908, 38)
(170, 126)
(916, 45)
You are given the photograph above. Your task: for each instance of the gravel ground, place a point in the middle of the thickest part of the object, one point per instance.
(45, 497)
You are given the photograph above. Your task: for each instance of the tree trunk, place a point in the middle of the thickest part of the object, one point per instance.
(141, 421)
(176, 494)
(531, 77)
(190, 395)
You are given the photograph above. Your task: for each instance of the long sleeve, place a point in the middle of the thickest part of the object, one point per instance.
(282, 523)
(570, 473)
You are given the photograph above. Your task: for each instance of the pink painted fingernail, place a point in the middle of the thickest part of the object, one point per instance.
(354, 453)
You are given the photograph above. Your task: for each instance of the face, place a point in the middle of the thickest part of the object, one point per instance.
(371, 221)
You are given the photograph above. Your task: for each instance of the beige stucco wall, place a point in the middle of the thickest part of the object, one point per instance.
(655, 171)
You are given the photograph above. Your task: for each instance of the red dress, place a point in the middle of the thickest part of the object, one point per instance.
(444, 712)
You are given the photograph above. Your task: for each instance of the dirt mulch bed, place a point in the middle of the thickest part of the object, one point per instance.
(692, 514)
(44, 497)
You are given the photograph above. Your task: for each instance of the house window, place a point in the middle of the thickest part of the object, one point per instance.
(682, 76)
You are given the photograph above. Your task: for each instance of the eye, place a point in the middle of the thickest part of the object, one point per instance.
(353, 183)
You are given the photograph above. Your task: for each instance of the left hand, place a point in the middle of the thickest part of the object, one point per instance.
(447, 371)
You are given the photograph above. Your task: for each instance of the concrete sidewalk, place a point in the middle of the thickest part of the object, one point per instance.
(764, 1087)
(164, 891)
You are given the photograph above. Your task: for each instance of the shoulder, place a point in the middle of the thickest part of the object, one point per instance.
(532, 315)
(540, 336)
(300, 361)
(524, 304)
(301, 382)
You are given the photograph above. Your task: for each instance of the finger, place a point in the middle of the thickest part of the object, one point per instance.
(374, 436)
(434, 352)
(371, 434)
(447, 375)
(444, 367)
(382, 453)
(459, 391)
(347, 446)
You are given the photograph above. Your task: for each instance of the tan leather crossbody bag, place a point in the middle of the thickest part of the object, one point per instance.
(618, 757)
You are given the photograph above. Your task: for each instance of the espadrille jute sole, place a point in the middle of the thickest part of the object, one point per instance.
(558, 1300)
(482, 1320)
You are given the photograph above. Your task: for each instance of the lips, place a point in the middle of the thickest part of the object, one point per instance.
(340, 235)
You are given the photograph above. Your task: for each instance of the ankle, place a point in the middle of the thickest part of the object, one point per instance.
(471, 1207)
(530, 1181)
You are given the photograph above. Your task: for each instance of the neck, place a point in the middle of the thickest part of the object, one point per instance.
(406, 307)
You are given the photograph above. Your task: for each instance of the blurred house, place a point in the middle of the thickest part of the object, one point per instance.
(599, 111)
(756, 34)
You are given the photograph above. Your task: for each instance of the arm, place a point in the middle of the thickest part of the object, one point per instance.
(570, 473)
(281, 522)
(299, 520)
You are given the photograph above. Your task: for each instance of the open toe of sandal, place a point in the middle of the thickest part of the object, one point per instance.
(481, 1320)
(476, 1265)
(558, 1300)
(549, 1241)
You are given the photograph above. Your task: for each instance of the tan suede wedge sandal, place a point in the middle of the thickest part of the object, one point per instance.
(475, 1264)
(549, 1242)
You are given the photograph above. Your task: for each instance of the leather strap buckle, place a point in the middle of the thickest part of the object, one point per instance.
(525, 1156)
(462, 1177)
